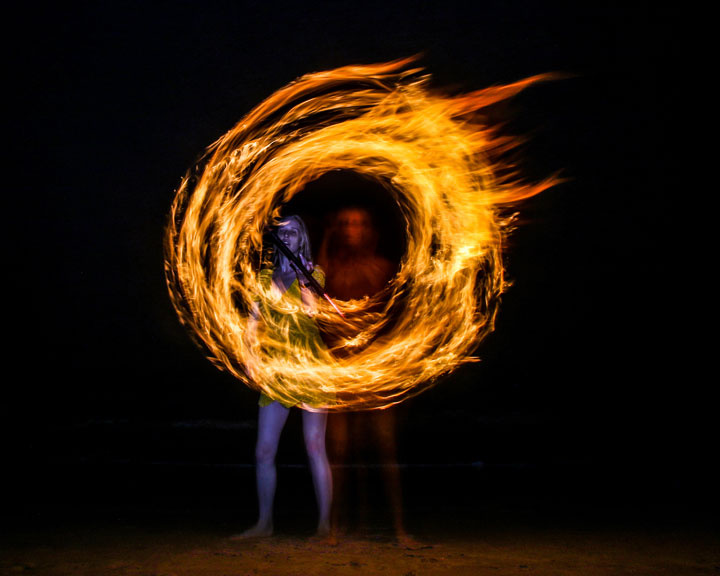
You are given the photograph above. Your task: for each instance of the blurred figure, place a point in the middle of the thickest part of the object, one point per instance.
(356, 269)
(352, 245)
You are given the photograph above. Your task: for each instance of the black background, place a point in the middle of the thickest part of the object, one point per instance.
(111, 102)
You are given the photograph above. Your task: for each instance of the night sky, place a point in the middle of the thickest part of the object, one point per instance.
(112, 102)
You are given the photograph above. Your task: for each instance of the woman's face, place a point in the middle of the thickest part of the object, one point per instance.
(289, 233)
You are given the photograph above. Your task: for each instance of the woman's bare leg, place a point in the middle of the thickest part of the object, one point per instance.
(337, 443)
(271, 421)
(314, 425)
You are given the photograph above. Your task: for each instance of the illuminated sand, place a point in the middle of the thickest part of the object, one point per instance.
(131, 550)
(178, 521)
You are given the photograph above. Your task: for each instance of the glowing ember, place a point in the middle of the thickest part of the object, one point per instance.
(430, 152)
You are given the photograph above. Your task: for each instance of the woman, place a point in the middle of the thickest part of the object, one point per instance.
(285, 278)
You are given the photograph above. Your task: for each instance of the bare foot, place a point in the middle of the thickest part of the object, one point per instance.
(257, 531)
(406, 541)
(325, 535)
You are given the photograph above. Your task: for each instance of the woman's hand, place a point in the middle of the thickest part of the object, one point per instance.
(309, 266)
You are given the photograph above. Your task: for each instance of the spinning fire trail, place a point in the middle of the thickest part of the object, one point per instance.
(434, 156)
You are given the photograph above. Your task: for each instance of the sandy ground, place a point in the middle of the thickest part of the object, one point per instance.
(124, 547)
(181, 523)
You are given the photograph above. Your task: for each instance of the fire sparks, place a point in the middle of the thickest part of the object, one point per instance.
(433, 155)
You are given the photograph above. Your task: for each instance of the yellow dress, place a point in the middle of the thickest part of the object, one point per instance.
(299, 331)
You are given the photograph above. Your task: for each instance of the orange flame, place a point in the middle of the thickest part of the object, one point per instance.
(431, 152)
